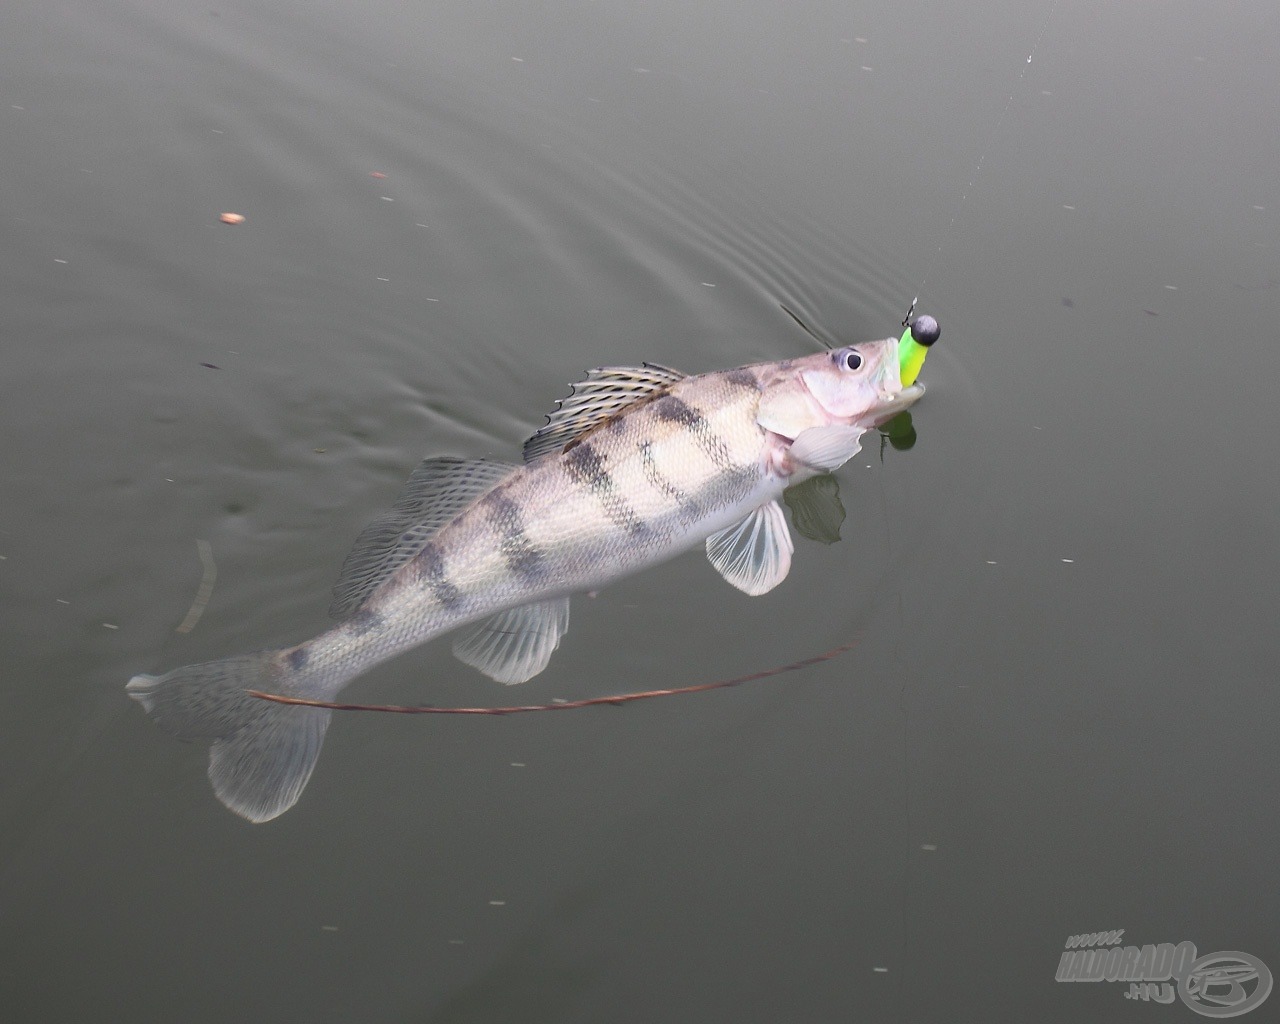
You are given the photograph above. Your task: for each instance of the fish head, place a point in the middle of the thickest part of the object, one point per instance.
(855, 385)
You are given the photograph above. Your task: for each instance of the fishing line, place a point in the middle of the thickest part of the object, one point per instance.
(977, 168)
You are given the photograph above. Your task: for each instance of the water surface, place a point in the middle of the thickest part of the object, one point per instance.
(1062, 715)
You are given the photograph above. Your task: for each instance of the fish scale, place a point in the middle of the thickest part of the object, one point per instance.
(635, 467)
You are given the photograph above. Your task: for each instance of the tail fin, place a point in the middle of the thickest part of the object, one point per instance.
(262, 753)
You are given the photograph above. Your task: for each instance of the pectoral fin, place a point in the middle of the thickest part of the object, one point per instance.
(828, 447)
(754, 554)
(516, 645)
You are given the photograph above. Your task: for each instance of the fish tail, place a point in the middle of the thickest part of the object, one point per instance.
(262, 753)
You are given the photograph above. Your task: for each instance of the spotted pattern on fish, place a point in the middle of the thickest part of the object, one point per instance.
(586, 466)
(298, 658)
(521, 556)
(432, 576)
(676, 410)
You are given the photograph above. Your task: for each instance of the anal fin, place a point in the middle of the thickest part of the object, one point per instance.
(515, 644)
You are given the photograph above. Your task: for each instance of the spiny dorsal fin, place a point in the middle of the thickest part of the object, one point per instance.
(605, 392)
(436, 492)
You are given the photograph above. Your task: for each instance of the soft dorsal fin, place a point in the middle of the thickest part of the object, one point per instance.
(436, 492)
(605, 392)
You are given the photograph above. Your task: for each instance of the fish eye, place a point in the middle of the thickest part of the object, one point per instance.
(851, 360)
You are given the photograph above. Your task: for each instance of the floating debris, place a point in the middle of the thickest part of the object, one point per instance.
(210, 366)
(231, 218)
(109, 625)
(205, 590)
(376, 174)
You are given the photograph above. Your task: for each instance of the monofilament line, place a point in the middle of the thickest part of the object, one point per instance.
(995, 133)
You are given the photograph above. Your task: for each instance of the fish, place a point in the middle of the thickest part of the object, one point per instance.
(637, 465)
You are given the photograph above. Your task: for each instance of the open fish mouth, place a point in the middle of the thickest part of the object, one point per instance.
(889, 405)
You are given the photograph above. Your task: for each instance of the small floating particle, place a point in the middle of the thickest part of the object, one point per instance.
(1069, 561)
(59, 261)
(1065, 206)
(558, 700)
(455, 942)
(217, 131)
(518, 764)
(990, 562)
(1259, 208)
(1150, 312)
(231, 218)
(319, 451)
(518, 60)
(865, 68)
(928, 846)
(328, 927)
(168, 479)
(707, 284)
(376, 174)
(16, 107)
(386, 199)
(420, 225)
(859, 39)
(497, 903)
(1171, 287)
(384, 279)
(61, 601)
(109, 625)
(431, 300)
(881, 970)
(210, 366)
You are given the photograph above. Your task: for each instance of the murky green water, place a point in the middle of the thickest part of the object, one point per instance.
(1062, 716)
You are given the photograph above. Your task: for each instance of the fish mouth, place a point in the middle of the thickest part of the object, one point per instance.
(890, 404)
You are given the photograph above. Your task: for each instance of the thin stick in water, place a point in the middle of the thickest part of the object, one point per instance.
(205, 590)
(570, 705)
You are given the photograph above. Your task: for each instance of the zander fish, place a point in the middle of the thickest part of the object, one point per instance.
(637, 465)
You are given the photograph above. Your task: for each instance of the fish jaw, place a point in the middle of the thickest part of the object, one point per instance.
(825, 389)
